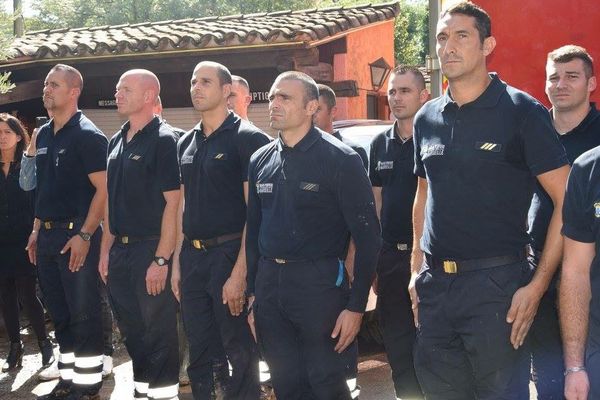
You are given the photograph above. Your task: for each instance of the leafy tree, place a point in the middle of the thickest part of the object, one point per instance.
(6, 27)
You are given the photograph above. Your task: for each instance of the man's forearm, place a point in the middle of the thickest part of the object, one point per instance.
(240, 267)
(574, 305)
(551, 255)
(418, 221)
(96, 212)
(168, 230)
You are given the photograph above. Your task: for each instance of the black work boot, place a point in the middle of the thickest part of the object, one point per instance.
(61, 391)
(47, 352)
(14, 358)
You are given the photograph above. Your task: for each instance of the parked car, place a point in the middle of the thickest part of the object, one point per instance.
(362, 132)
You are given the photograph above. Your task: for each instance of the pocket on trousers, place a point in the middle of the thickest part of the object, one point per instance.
(506, 280)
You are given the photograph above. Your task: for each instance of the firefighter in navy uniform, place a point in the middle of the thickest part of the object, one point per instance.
(579, 290)
(65, 241)
(323, 119)
(569, 82)
(308, 193)
(394, 185)
(139, 237)
(210, 275)
(478, 152)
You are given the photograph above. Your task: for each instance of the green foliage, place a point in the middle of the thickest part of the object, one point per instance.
(6, 27)
(411, 36)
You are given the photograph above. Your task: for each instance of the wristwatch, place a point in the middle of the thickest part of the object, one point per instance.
(85, 236)
(161, 261)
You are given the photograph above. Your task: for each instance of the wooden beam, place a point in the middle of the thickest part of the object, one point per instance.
(23, 91)
(345, 88)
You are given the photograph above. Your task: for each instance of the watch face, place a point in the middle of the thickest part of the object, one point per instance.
(85, 236)
(160, 261)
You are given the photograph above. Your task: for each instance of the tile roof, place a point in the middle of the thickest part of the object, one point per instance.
(198, 33)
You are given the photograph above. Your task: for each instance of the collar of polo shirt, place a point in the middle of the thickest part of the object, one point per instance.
(488, 99)
(307, 141)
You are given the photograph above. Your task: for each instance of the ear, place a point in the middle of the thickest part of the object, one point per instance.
(311, 107)
(489, 44)
(333, 112)
(592, 84)
(226, 90)
(248, 100)
(423, 96)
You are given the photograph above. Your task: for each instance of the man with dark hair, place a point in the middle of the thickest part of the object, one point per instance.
(308, 193)
(139, 236)
(481, 19)
(325, 115)
(569, 83)
(210, 262)
(239, 100)
(478, 152)
(323, 119)
(65, 241)
(394, 184)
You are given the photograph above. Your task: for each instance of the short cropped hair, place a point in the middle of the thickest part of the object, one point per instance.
(328, 95)
(73, 76)
(311, 91)
(222, 71)
(414, 71)
(572, 52)
(243, 82)
(483, 22)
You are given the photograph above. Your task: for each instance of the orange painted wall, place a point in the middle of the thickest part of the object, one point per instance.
(363, 46)
(526, 30)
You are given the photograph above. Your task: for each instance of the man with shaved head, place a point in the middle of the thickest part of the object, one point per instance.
(209, 270)
(64, 244)
(139, 235)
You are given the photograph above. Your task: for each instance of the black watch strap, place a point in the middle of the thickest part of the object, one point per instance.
(161, 261)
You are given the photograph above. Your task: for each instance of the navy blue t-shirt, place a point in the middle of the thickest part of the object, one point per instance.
(63, 162)
(480, 161)
(139, 172)
(392, 169)
(304, 203)
(213, 170)
(581, 219)
(582, 138)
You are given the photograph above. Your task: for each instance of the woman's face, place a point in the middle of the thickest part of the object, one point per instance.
(8, 137)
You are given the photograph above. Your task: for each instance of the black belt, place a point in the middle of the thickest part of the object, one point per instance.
(459, 266)
(203, 244)
(399, 246)
(61, 224)
(126, 239)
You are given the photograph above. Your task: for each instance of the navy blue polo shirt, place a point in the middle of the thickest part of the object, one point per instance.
(354, 146)
(213, 170)
(305, 202)
(480, 161)
(63, 162)
(581, 219)
(582, 138)
(392, 169)
(139, 172)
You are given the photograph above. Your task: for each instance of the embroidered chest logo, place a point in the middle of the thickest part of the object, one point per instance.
(187, 159)
(311, 187)
(135, 157)
(487, 146)
(43, 150)
(382, 165)
(433, 150)
(264, 188)
(597, 209)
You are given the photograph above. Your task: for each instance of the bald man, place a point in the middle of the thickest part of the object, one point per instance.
(139, 236)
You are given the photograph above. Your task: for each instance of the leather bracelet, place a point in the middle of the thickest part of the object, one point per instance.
(573, 369)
